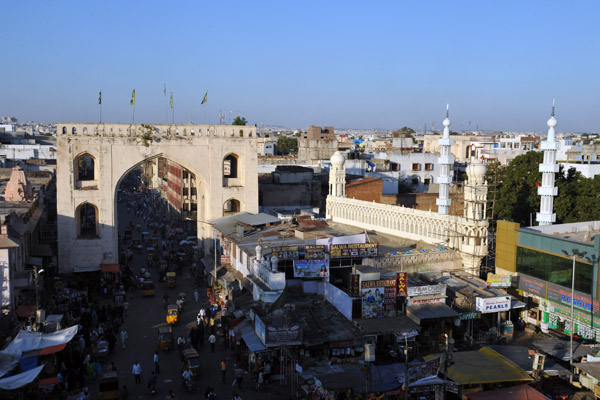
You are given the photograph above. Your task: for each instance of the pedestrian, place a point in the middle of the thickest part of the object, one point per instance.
(124, 393)
(196, 295)
(232, 339)
(137, 372)
(212, 324)
(125, 307)
(212, 339)
(223, 370)
(123, 337)
(239, 376)
(156, 367)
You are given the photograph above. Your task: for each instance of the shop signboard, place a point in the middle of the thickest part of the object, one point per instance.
(492, 304)
(562, 295)
(311, 268)
(284, 335)
(355, 285)
(259, 328)
(565, 311)
(314, 252)
(498, 280)
(402, 283)
(402, 336)
(354, 250)
(427, 290)
(469, 315)
(423, 370)
(286, 252)
(531, 285)
(378, 298)
(432, 300)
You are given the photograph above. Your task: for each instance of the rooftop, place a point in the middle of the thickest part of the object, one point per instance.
(583, 232)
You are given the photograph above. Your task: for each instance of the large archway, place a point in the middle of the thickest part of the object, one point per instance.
(118, 149)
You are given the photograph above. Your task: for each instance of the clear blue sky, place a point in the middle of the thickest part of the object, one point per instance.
(347, 64)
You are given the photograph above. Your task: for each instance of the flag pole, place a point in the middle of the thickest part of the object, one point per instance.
(133, 117)
(100, 104)
(166, 109)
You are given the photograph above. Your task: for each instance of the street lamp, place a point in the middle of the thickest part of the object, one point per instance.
(575, 253)
(36, 273)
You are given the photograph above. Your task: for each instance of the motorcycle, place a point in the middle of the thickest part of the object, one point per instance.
(188, 385)
(152, 389)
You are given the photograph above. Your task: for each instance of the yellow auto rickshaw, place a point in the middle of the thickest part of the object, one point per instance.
(109, 387)
(171, 279)
(148, 288)
(190, 359)
(172, 314)
(165, 338)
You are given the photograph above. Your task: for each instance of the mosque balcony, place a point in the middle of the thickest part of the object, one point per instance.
(547, 191)
(446, 142)
(552, 168)
(545, 218)
(546, 145)
(443, 179)
(448, 160)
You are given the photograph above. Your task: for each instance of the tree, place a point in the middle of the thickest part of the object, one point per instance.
(406, 129)
(239, 121)
(287, 144)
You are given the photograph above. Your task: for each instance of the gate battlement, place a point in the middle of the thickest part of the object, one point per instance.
(155, 130)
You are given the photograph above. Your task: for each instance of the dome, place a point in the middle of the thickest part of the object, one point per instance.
(476, 172)
(552, 122)
(337, 159)
(446, 122)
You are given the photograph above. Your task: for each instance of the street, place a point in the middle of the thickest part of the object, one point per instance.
(147, 314)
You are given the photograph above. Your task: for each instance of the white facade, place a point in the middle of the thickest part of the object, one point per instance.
(28, 151)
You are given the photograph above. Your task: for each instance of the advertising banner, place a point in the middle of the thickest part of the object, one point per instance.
(427, 369)
(531, 285)
(286, 252)
(312, 252)
(498, 281)
(401, 279)
(562, 295)
(311, 268)
(355, 285)
(288, 335)
(492, 304)
(354, 250)
(378, 298)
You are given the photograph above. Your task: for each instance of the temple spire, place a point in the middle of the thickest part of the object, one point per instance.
(446, 162)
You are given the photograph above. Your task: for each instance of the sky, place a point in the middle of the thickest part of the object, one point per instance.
(347, 64)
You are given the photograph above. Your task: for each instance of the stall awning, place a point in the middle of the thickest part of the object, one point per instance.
(397, 324)
(16, 381)
(89, 268)
(45, 351)
(110, 268)
(515, 303)
(430, 311)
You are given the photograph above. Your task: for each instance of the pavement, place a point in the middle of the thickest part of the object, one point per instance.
(144, 318)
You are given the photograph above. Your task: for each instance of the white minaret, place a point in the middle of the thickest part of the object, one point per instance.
(445, 162)
(548, 168)
(337, 175)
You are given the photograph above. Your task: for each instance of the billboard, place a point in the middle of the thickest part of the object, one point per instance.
(492, 304)
(314, 252)
(355, 285)
(286, 252)
(289, 335)
(427, 290)
(498, 280)
(562, 295)
(354, 250)
(401, 278)
(531, 285)
(378, 298)
(423, 370)
(311, 268)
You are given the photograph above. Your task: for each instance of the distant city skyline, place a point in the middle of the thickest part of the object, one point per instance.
(345, 64)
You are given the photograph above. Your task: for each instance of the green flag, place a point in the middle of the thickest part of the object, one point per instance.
(171, 99)
(132, 102)
(100, 97)
(205, 98)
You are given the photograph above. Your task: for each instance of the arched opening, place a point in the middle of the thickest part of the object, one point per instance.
(85, 164)
(64, 130)
(231, 206)
(87, 221)
(230, 170)
(74, 131)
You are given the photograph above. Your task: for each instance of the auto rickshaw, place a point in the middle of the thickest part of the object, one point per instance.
(190, 359)
(165, 338)
(172, 314)
(147, 288)
(171, 279)
(109, 386)
(150, 254)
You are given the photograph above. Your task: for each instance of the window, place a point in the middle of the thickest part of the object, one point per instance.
(554, 269)
(230, 166)
(87, 217)
(416, 167)
(85, 165)
(428, 167)
(231, 206)
(427, 181)
(64, 130)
